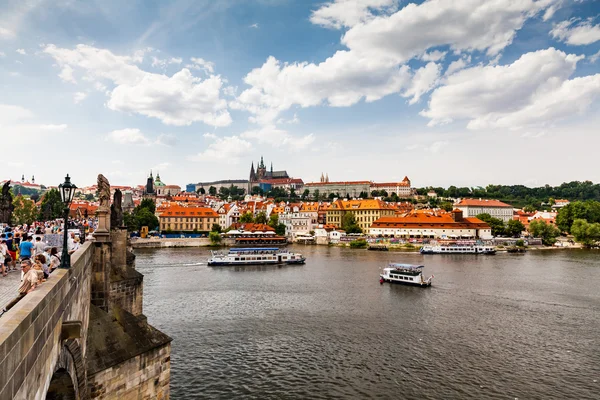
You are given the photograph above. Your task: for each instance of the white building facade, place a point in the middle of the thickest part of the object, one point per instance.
(474, 207)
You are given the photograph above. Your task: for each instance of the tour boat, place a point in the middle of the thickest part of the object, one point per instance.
(406, 274)
(458, 248)
(255, 256)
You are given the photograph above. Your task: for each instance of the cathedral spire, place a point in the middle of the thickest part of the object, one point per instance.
(262, 163)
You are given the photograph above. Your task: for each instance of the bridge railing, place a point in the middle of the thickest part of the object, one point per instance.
(31, 331)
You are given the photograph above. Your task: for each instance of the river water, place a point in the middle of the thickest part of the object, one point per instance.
(509, 326)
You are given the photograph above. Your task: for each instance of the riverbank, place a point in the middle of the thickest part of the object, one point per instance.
(152, 243)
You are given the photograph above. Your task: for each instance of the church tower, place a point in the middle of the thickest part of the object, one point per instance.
(261, 170)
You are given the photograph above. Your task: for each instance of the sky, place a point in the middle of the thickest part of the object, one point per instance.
(462, 92)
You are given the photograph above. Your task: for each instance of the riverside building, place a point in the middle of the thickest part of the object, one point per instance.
(432, 226)
(187, 219)
(365, 212)
(474, 207)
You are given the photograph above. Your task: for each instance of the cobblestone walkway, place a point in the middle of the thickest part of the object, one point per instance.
(9, 286)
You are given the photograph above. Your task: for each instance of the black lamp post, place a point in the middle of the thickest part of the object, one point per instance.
(67, 190)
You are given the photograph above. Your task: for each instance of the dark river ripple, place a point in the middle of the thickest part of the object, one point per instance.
(492, 327)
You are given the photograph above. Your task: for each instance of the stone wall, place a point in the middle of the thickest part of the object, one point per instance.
(145, 376)
(162, 243)
(128, 293)
(31, 334)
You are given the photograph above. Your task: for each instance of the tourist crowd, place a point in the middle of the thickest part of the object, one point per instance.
(23, 248)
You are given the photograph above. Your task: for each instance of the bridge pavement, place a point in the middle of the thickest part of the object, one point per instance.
(9, 286)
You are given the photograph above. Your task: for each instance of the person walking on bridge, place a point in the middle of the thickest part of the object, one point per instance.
(30, 281)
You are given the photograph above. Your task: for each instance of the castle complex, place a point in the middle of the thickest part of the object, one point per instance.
(261, 175)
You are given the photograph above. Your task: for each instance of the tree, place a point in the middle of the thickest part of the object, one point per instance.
(586, 233)
(446, 206)
(216, 228)
(202, 191)
(305, 194)
(587, 210)
(349, 223)
(316, 193)
(273, 220)
(547, 232)
(363, 195)
(25, 211)
(293, 193)
(148, 204)
(256, 190)
(144, 217)
(212, 191)
(497, 225)
(280, 229)
(529, 209)
(130, 222)
(331, 196)
(223, 192)
(247, 217)
(514, 227)
(215, 238)
(52, 206)
(261, 218)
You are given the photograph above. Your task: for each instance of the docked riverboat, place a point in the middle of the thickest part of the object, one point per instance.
(405, 274)
(458, 248)
(255, 256)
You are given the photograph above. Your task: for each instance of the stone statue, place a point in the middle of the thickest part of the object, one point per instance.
(6, 204)
(103, 191)
(116, 210)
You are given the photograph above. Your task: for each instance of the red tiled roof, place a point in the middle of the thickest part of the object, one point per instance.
(179, 211)
(252, 227)
(338, 183)
(482, 203)
(421, 220)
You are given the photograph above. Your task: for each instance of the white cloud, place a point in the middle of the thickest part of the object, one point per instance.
(66, 74)
(22, 52)
(78, 97)
(380, 40)
(202, 64)
(54, 128)
(576, 34)
(177, 100)
(164, 63)
(229, 148)
(166, 139)
(10, 114)
(437, 146)
(276, 137)
(423, 81)
(2, 54)
(434, 55)
(534, 90)
(255, 26)
(346, 13)
(341, 80)
(458, 65)
(128, 136)
(595, 57)
(6, 33)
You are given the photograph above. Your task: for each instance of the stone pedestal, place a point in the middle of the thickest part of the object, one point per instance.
(102, 232)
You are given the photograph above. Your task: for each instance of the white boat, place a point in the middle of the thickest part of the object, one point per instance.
(405, 274)
(255, 256)
(458, 248)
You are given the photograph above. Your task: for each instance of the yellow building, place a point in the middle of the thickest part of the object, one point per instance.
(187, 219)
(365, 212)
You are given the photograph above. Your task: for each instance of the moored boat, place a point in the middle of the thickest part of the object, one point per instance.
(405, 274)
(458, 248)
(255, 256)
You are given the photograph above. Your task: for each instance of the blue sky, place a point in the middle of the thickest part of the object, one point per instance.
(464, 92)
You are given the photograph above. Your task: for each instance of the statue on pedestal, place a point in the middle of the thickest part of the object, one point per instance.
(103, 213)
(116, 210)
(6, 204)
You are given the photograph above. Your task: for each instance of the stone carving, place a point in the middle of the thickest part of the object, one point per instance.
(116, 210)
(103, 191)
(6, 204)
(103, 212)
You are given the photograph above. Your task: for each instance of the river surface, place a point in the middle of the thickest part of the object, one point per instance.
(509, 326)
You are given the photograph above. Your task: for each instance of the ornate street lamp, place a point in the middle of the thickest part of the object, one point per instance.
(67, 190)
